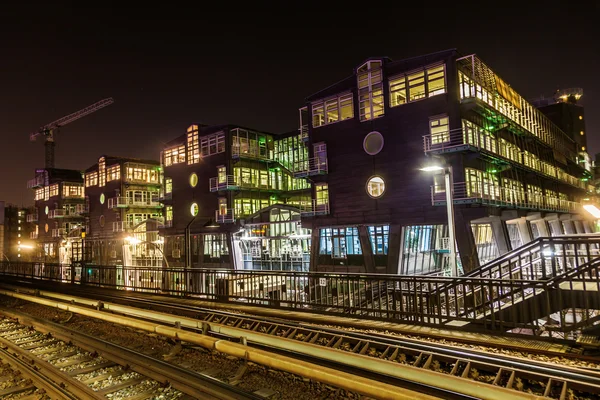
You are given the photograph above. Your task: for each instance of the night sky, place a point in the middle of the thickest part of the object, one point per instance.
(169, 68)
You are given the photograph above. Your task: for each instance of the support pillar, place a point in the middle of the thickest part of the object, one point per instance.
(315, 241)
(524, 230)
(367, 250)
(394, 249)
(233, 251)
(466, 243)
(500, 235)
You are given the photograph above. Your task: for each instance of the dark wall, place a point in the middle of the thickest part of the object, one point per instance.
(566, 117)
(96, 209)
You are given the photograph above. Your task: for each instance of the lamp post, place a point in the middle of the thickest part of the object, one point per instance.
(448, 183)
(134, 240)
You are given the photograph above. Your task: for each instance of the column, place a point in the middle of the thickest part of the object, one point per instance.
(465, 242)
(367, 250)
(394, 249)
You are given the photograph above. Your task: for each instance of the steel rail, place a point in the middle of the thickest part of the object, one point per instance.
(189, 382)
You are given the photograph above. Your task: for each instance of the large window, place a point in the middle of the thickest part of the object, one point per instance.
(417, 85)
(174, 155)
(339, 242)
(169, 213)
(113, 173)
(91, 179)
(380, 236)
(370, 90)
(375, 187)
(322, 194)
(72, 191)
(212, 144)
(168, 185)
(439, 129)
(332, 110)
(53, 191)
(215, 245)
(193, 148)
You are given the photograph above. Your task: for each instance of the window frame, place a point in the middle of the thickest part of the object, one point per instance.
(322, 104)
(426, 81)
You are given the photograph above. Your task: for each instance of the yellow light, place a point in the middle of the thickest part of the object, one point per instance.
(582, 148)
(592, 209)
(581, 117)
(581, 133)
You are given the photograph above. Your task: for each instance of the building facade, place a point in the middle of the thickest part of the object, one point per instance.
(515, 174)
(232, 199)
(15, 244)
(124, 212)
(58, 215)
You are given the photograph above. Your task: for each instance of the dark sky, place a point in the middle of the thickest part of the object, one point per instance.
(167, 68)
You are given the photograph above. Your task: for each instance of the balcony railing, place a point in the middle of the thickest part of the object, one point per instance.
(314, 208)
(312, 166)
(33, 235)
(225, 216)
(58, 213)
(122, 226)
(165, 196)
(481, 193)
(36, 182)
(480, 141)
(124, 202)
(228, 182)
(32, 217)
(303, 132)
(59, 232)
(260, 153)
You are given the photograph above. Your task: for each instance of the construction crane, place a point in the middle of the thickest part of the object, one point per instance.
(52, 128)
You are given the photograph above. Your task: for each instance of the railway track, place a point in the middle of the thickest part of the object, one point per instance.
(517, 375)
(70, 365)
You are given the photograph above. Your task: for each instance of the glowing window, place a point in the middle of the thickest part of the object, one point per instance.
(46, 210)
(581, 133)
(102, 221)
(439, 128)
(332, 110)
(46, 228)
(370, 90)
(193, 180)
(102, 198)
(194, 209)
(581, 117)
(375, 187)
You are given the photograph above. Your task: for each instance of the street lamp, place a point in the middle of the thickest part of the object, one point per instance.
(134, 240)
(450, 210)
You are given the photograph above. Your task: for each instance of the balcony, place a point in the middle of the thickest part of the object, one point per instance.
(310, 167)
(33, 235)
(226, 216)
(312, 209)
(56, 233)
(478, 140)
(32, 217)
(58, 213)
(124, 202)
(303, 133)
(122, 226)
(36, 182)
(165, 196)
(228, 182)
(487, 194)
(253, 152)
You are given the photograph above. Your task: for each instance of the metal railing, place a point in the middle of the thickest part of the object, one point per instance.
(479, 140)
(303, 132)
(495, 195)
(225, 216)
(311, 166)
(58, 213)
(38, 181)
(465, 303)
(32, 217)
(122, 226)
(227, 182)
(60, 232)
(122, 202)
(314, 208)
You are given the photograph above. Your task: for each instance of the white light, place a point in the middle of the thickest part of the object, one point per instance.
(547, 253)
(26, 246)
(159, 241)
(432, 168)
(592, 209)
(132, 240)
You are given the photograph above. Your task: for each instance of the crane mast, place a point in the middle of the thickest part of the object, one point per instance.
(50, 129)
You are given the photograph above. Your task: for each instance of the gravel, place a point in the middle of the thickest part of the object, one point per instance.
(215, 364)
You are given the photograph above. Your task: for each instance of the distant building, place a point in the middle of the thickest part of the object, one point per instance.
(58, 215)
(124, 212)
(15, 244)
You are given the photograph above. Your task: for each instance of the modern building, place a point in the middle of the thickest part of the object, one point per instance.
(124, 212)
(15, 244)
(515, 174)
(58, 215)
(233, 201)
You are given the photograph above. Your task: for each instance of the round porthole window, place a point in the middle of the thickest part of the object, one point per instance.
(375, 187)
(373, 143)
(102, 221)
(46, 228)
(46, 210)
(193, 179)
(194, 209)
(102, 198)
